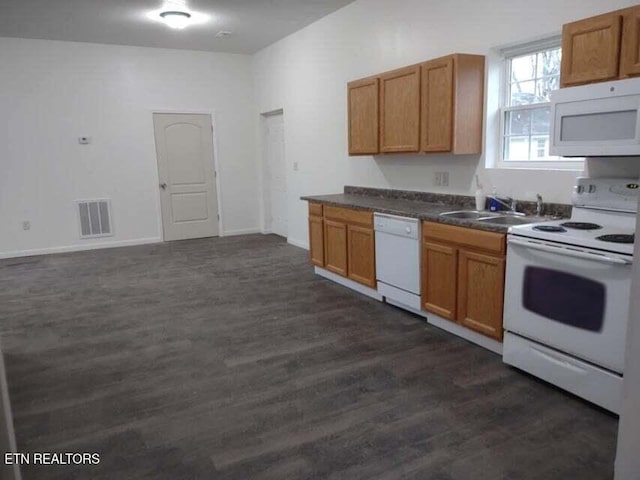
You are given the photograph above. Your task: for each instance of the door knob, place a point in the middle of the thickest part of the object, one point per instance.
(163, 186)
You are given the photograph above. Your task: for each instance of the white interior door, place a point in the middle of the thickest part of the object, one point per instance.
(276, 175)
(184, 146)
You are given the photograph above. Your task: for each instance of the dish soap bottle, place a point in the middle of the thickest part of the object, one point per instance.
(494, 206)
(481, 200)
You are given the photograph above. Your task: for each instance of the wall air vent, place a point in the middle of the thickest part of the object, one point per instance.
(95, 218)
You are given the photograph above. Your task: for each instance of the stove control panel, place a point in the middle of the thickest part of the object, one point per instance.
(617, 194)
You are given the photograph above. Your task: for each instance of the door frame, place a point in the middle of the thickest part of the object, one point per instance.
(262, 171)
(216, 164)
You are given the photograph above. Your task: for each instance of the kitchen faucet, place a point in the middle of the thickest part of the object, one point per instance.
(538, 205)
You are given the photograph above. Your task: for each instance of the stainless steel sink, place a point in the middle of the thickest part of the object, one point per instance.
(468, 214)
(510, 220)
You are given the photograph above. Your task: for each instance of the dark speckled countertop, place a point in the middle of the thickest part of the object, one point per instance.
(425, 206)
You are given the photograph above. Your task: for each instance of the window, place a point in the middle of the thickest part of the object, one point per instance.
(531, 73)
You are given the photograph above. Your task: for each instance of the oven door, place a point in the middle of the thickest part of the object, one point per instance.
(574, 300)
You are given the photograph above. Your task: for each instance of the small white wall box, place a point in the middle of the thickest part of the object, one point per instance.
(84, 140)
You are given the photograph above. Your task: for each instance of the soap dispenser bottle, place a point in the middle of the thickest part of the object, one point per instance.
(494, 205)
(481, 200)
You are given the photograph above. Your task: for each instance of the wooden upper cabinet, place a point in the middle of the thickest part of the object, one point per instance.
(437, 105)
(400, 110)
(453, 104)
(361, 255)
(439, 271)
(481, 292)
(591, 49)
(363, 98)
(630, 46)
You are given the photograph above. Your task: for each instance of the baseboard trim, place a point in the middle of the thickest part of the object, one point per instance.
(79, 248)
(469, 335)
(345, 282)
(242, 231)
(298, 243)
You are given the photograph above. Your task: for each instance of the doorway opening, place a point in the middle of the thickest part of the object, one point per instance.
(274, 175)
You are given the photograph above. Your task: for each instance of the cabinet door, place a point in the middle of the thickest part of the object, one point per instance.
(437, 105)
(335, 247)
(590, 50)
(400, 110)
(481, 292)
(361, 255)
(439, 270)
(363, 116)
(630, 47)
(316, 241)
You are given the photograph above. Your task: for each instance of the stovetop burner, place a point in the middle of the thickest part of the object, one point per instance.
(619, 238)
(550, 228)
(581, 225)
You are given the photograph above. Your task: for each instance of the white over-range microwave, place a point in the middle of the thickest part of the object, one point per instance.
(597, 120)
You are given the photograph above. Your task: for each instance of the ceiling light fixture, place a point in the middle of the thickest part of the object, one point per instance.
(175, 19)
(176, 15)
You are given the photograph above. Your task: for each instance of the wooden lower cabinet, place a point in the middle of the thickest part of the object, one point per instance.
(481, 292)
(335, 246)
(316, 240)
(439, 271)
(463, 276)
(361, 263)
(342, 240)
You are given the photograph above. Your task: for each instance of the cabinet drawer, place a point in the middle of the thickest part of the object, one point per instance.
(467, 237)
(349, 215)
(315, 209)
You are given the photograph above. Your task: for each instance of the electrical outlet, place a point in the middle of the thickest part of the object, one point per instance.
(442, 179)
(26, 225)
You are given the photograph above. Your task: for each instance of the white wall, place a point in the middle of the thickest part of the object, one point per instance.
(627, 459)
(306, 75)
(53, 92)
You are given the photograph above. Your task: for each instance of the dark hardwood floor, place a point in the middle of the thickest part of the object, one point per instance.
(229, 359)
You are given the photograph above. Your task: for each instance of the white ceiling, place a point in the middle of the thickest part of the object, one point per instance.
(254, 23)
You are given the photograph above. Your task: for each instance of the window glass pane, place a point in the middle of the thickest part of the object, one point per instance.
(544, 87)
(541, 120)
(523, 68)
(518, 123)
(539, 148)
(531, 79)
(516, 148)
(548, 63)
(523, 93)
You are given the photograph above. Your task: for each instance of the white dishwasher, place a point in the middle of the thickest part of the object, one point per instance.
(398, 260)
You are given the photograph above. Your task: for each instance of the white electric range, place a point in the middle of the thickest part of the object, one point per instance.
(567, 292)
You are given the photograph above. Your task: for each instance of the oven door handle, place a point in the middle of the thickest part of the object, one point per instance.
(569, 253)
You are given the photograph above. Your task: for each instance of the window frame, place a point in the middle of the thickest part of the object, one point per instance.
(507, 54)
